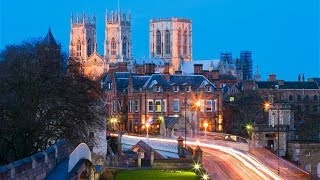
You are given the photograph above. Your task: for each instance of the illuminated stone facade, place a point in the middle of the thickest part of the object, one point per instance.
(171, 40)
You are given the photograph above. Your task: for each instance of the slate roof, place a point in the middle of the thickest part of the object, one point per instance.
(139, 81)
(122, 84)
(317, 80)
(170, 121)
(194, 81)
(147, 150)
(287, 85)
(49, 39)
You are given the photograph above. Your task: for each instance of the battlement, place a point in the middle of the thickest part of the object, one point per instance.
(83, 19)
(117, 16)
(170, 19)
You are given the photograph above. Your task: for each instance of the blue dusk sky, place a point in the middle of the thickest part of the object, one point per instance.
(283, 35)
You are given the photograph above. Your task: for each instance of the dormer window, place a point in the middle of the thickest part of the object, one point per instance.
(176, 88)
(157, 88)
(188, 88)
(208, 88)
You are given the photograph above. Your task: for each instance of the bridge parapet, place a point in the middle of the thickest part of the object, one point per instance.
(37, 166)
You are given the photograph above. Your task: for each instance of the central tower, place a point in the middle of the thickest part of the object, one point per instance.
(118, 43)
(171, 40)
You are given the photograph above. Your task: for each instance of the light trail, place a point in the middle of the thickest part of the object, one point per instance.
(245, 159)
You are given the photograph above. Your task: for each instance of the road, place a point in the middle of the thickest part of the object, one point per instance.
(221, 165)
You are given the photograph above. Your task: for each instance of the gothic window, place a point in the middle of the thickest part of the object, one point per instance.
(185, 42)
(158, 42)
(89, 51)
(78, 52)
(315, 98)
(290, 97)
(113, 47)
(299, 97)
(124, 46)
(179, 42)
(167, 41)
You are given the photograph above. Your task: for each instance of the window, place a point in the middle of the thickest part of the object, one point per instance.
(157, 88)
(299, 97)
(164, 105)
(78, 52)
(290, 97)
(113, 47)
(114, 106)
(130, 106)
(167, 41)
(175, 105)
(185, 42)
(158, 105)
(124, 46)
(150, 105)
(158, 42)
(307, 98)
(215, 105)
(176, 88)
(315, 108)
(89, 50)
(208, 105)
(188, 88)
(315, 98)
(208, 88)
(91, 135)
(136, 106)
(179, 42)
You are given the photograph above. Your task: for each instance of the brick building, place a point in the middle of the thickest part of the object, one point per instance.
(149, 97)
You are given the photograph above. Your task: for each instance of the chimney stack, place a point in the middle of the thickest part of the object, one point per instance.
(272, 77)
(198, 69)
(149, 68)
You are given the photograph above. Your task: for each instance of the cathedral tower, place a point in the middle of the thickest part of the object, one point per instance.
(83, 41)
(171, 40)
(118, 42)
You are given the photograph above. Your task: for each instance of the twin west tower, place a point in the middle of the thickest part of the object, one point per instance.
(170, 41)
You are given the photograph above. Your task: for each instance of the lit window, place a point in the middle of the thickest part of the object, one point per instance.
(175, 105)
(158, 105)
(150, 105)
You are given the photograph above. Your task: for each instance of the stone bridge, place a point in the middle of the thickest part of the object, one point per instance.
(56, 162)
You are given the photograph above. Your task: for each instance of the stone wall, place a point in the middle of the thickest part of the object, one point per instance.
(306, 155)
(37, 166)
(173, 163)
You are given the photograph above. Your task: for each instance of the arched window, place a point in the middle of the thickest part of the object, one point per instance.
(315, 98)
(167, 42)
(113, 47)
(185, 42)
(290, 97)
(158, 42)
(89, 48)
(179, 42)
(124, 46)
(307, 167)
(307, 98)
(78, 52)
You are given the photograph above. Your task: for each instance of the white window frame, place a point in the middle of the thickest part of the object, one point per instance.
(175, 88)
(130, 106)
(158, 88)
(188, 88)
(208, 88)
(136, 105)
(208, 104)
(215, 105)
(164, 105)
(174, 105)
(148, 106)
(155, 105)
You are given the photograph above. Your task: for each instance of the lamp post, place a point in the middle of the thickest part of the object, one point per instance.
(113, 121)
(205, 125)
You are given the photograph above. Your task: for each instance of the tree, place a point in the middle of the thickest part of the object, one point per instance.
(41, 104)
(246, 109)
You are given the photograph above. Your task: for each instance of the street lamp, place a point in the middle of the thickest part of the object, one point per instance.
(147, 127)
(113, 121)
(205, 125)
